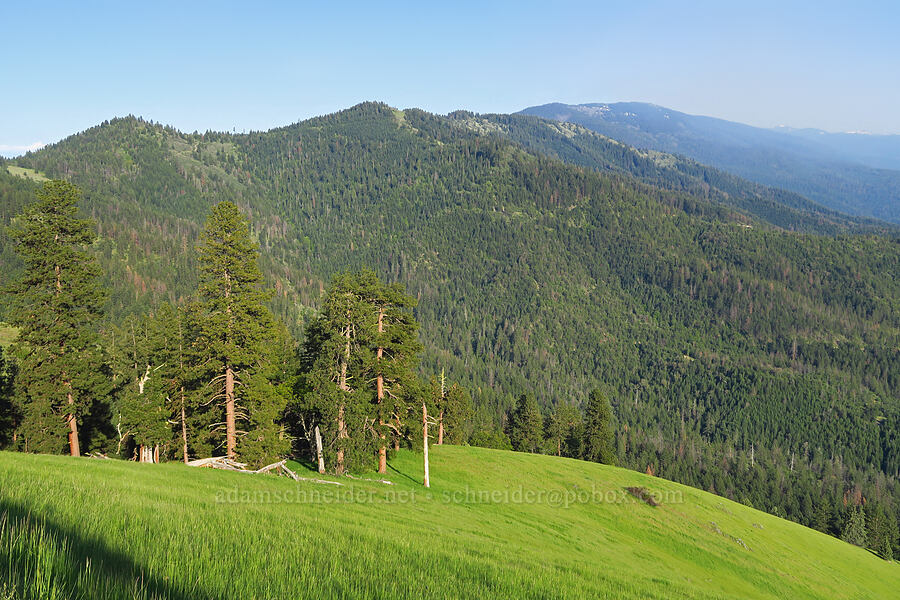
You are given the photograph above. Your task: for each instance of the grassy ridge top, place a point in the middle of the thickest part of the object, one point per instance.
(494, 524)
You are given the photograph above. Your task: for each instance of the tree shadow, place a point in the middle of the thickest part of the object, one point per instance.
(402, 474)
(84, 558)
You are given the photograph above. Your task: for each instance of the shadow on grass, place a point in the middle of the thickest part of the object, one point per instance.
(306, 463)
(47, 558)
(402, 474)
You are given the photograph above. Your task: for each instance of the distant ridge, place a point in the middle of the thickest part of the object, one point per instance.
(852, 173)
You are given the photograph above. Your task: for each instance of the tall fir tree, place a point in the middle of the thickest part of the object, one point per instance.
(598, 440)
(56, 305)
(854, 531)
(359, 379)
(396, 349)
(335, 356)
(233, 332)
(561, 427)
(452, 407)
(526, 425)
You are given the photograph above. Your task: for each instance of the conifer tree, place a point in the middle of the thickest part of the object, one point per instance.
(233, 329)
(56, 305)
(266, 395)
(150, 402)
(453, 410)
(598, 441)
(359, 365)
(561, 425)
(526, 425)
(854, 531)
(8, 413)
(335, 355)
(396, 356)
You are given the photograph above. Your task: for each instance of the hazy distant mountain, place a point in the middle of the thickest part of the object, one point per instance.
(854, 173)
(581, 146)
(877, 151)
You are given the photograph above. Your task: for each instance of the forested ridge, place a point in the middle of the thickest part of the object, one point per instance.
(724, 342)
(582, 146)
(852, 173)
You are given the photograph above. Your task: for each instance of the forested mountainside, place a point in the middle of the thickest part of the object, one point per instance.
(582, 146)
(720, 338)
(832, 170)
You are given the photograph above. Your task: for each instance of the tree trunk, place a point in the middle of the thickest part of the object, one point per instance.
(183, 429)
(74, 447)
(342, 429)
(319, 454)
(230, 428)
(425, 442)
(441, 414)
(379, 388)
(148, 454)
(342, 434)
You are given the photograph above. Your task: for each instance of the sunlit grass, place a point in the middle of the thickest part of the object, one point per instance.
(27, 173)
(7, 336)
(494, 524)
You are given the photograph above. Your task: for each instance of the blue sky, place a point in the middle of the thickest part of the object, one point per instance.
(219, 65)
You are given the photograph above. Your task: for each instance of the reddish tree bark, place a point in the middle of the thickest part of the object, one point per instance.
(74, 446)
(379, 386)
(230, 428)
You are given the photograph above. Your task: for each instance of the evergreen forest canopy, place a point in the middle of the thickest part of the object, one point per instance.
(737, 356)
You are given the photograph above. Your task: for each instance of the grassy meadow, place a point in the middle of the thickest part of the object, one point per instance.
(494, 524)
(27, 173)
(7, 335)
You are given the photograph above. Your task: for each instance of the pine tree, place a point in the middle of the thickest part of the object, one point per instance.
(560, 427)
(334, 390)
(854, 531)
(152, 364)
(526, 425)
(359, 364)
(453, 410)
(232, 333)
(598, 440)
(881, 531)
(56, 305)
(141, 407)
(396, 349)
(268, 392)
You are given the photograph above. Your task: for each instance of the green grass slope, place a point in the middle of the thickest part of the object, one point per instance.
(494, 524)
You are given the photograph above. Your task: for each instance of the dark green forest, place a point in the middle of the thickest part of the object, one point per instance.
(737, 353)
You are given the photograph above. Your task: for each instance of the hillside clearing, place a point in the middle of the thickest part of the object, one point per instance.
(26, 173)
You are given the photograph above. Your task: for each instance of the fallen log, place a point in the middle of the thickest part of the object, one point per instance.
(319, 481)
(218, 462)
(276, 465)
(221, 462)
(384, 481)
